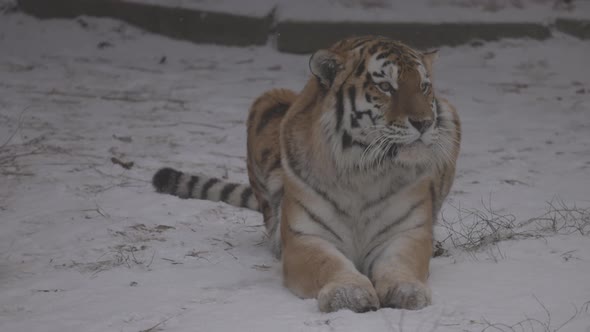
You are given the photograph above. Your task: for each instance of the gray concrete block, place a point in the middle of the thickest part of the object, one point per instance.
(577, 28)
(292, 36)
(305, 37)
(180, 23)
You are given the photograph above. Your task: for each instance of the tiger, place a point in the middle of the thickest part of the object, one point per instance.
(349, 175)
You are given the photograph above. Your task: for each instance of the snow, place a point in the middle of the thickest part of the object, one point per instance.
(255, 8)
(429, 11)
(86, 245)
(393, 10)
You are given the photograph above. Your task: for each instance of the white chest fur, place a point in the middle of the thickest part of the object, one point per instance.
(359, 213)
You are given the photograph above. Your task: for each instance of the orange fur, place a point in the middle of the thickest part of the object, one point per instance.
(349, 175)
(314, 263)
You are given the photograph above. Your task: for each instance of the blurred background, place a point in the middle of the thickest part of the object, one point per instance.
(306, 25)
(97, 95)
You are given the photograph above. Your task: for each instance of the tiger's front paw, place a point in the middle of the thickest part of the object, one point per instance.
(410, 295)
(356, 297)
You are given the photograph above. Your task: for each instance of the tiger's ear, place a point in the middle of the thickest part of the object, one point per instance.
(325, 65)
(428, 59)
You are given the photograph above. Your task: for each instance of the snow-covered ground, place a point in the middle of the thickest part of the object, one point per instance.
(86, 245)
(394, 10)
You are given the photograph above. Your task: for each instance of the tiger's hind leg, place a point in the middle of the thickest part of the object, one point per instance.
(264, 157)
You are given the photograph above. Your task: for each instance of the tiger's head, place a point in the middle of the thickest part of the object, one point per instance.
(378, 103)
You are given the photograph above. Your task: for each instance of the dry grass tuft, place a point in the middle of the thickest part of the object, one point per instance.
(561, 218)
(533, 324)
(474, 229)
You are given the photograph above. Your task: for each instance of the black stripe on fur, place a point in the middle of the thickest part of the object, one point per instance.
(166, 180)
(191, 186)
(268, 115)
(398, 220)
(339, 108)
(319, 221)
(245, 197)
(227, 190)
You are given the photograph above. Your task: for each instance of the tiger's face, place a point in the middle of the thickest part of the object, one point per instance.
(379, 103)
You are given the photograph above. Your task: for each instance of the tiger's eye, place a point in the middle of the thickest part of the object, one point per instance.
(425, 86)
(385, 87)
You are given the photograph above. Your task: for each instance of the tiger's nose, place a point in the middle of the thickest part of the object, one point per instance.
(421, 125)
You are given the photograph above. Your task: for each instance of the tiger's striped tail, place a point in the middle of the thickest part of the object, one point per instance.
(177, 183)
